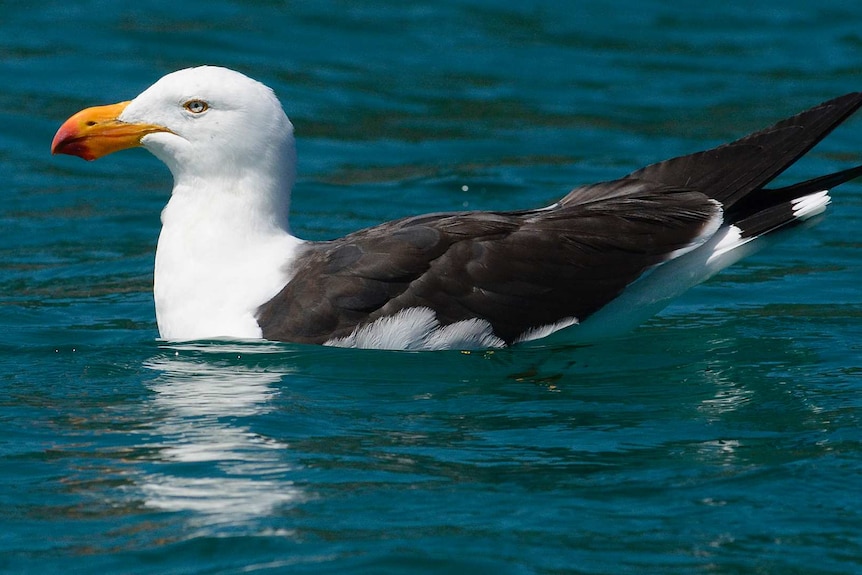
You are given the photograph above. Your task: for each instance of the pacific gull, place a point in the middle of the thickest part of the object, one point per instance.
(597, 262)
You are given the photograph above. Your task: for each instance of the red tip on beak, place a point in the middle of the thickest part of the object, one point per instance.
(97, 132)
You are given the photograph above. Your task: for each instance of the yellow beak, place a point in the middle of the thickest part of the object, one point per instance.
(96, 132)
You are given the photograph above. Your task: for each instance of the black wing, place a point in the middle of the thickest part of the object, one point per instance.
(731, 172)
(521, 270)
(517, 270)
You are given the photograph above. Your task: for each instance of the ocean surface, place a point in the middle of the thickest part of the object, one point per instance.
(723, 436)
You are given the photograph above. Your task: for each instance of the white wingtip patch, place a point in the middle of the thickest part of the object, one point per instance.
(811, 205)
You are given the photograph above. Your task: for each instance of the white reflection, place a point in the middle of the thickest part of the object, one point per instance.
(729, 395)
(727, 398)
(211, 463)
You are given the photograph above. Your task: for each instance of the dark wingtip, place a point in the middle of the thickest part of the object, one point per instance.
(731, 171)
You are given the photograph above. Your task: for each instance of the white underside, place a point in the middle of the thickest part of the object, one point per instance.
(417, 329)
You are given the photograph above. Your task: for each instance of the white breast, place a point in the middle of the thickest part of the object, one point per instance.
(211, 275)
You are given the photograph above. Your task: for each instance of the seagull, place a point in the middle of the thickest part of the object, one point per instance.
(594, 264)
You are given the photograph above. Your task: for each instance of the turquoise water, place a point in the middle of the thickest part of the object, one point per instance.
(724, 436)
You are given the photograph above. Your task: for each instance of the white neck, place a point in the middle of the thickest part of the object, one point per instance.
(223, 251)
(225, 245)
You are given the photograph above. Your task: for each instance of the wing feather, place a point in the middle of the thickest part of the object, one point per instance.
(516, 270)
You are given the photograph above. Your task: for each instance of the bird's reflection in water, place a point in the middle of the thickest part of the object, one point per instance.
(208, 460)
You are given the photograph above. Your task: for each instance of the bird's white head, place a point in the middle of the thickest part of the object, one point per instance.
(206, 123)
(224, 239)
(216, 119)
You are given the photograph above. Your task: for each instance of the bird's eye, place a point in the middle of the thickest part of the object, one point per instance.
(196, 106)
